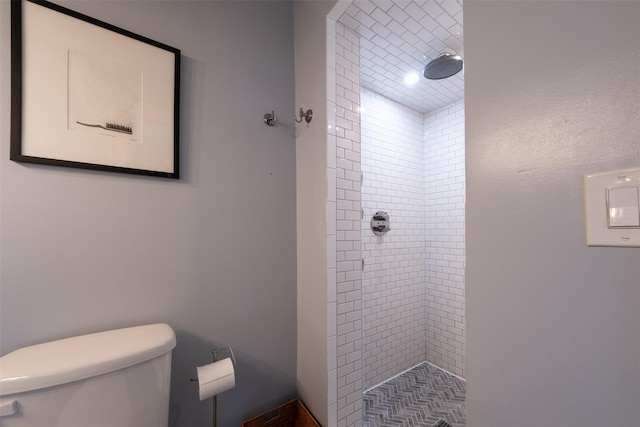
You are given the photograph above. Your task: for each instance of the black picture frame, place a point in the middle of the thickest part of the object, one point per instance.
(79, 99)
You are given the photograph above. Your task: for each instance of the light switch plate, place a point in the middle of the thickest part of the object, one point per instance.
(596, 191)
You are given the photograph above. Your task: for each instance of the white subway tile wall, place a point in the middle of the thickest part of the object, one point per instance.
(348, 245)
(445, 233)
(393, 281)
(332, 361)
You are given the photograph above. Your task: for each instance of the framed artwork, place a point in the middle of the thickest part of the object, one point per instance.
(87, 94)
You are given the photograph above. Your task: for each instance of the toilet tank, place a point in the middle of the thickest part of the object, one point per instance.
(113, 378)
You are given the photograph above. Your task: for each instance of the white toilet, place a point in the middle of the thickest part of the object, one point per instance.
(114, 378)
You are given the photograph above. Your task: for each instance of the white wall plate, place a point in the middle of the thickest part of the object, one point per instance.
(612, 208)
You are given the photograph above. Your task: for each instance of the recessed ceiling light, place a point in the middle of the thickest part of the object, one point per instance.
(411, 78)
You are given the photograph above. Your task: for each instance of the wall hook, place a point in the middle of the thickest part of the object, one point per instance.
(307, 116)
(270, 119)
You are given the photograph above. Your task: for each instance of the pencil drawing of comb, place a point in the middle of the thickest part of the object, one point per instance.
(114, 127)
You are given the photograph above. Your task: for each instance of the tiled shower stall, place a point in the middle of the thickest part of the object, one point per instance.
(393, 280)
(405, 303)
(413, 279)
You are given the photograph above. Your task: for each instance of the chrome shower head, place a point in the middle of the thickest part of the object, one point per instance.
(446, 65)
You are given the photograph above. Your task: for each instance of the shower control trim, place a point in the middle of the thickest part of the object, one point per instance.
(380, 223)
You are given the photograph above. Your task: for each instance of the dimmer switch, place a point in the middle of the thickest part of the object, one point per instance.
(623, 207)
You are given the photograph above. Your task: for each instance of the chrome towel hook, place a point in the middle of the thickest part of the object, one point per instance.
(307, 116)
(270, 119)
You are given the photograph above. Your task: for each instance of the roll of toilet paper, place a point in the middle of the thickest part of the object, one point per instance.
(215, 378)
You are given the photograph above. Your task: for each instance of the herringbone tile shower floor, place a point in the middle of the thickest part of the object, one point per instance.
(422, 397)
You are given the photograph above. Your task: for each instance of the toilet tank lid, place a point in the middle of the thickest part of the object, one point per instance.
(73, 359)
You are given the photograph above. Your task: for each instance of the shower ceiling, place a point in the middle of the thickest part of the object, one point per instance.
(401, 36)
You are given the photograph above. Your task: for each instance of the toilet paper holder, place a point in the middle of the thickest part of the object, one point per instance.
(229, 350)
(214, 354)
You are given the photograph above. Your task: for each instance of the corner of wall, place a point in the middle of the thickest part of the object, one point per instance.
(314, 247)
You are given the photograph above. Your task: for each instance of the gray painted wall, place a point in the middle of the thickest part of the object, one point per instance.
(84, 251)
(552, 93)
